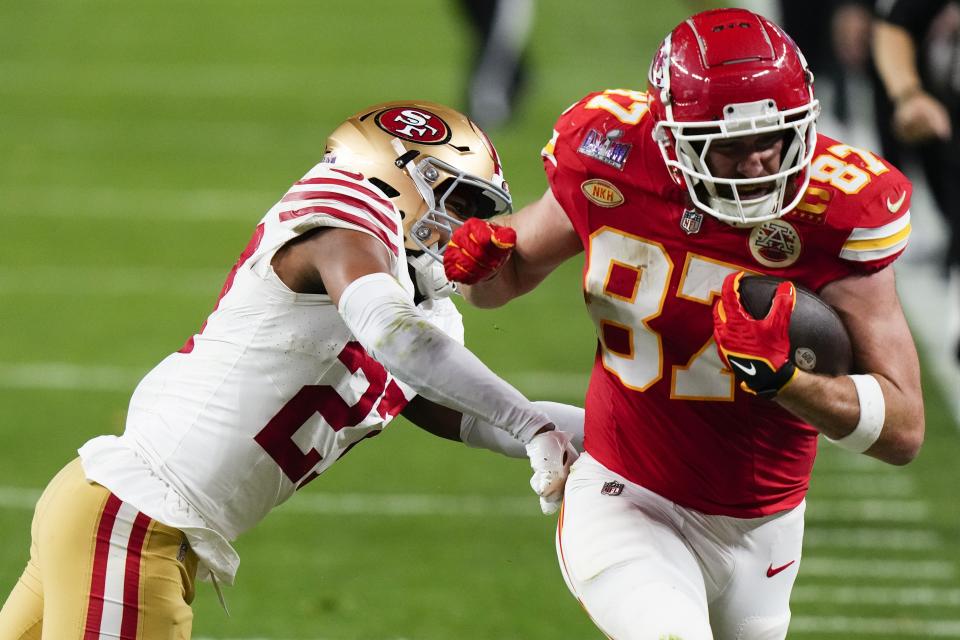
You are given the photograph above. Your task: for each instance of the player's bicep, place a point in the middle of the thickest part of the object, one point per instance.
(340, 256)
(881, 339)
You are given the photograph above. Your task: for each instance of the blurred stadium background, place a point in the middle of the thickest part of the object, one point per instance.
(139, 144)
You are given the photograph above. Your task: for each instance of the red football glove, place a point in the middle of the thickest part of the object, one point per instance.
(756, 351)
(477, 250)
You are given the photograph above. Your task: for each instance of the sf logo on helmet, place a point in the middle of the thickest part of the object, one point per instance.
(415, 125)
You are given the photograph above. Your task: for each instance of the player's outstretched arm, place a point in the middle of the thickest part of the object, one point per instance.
(884, 350)
(475, 433)
(354, 269)
(544, 239)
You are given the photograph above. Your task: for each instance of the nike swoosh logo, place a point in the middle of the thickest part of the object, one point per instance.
(772, 571)
(893, 207)
(752, 371)
(359, 176)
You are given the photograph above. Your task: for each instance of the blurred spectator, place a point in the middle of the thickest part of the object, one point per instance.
(831, 53)
(499, 69)
(916, 49)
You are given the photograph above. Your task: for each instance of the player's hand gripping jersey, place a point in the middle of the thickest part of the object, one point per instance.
(661, 408)
(270, 392)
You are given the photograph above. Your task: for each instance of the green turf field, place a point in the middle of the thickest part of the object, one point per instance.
(139, 144)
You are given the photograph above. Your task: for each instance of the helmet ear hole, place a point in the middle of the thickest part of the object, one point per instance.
(388, 191)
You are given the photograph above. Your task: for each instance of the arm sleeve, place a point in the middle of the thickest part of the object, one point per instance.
(478, 434)
(381, 315)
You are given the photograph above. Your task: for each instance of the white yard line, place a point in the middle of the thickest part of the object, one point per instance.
(138, 204)
(870, 510)
(875, 627)
(883, 484)
(75, 377)
(363, 504)
(16, 498)
(410, 505)
(467, 505)
(878, 538)
(885, 596)
(900, 570)
(94, 281)
(68, 377)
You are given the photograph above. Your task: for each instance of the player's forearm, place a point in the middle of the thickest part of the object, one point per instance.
(496, 291)
(379, 314)
(832, 405)
(895, 55)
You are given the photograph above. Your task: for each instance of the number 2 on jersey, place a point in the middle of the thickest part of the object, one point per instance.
(277, 437)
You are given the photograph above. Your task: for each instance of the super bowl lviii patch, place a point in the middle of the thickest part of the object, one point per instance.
(605, 148)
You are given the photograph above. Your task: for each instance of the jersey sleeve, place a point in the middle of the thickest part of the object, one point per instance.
(328, 197)
(564, 168)
(880, 227)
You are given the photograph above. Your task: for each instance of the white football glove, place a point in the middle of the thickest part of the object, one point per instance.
(431, 281)
(551, 455)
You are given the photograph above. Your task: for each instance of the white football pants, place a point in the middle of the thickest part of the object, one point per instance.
(645, 568)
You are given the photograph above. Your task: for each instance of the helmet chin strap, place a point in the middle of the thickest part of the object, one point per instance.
(430, 280)
(750, 212)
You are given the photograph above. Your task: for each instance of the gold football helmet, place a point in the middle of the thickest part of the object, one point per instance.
(435, 164)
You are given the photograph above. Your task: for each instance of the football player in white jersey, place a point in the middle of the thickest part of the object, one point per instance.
(335, 319)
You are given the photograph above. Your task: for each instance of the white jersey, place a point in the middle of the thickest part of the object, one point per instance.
(271, 391)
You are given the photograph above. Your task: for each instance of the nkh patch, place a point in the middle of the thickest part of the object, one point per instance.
(612, 488)
(605, 148)
(602, 193)
(691, 221)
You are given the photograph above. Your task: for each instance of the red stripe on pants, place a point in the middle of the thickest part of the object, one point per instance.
(99, 578)
(131, 579)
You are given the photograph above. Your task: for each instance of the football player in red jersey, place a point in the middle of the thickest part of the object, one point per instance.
(684, 518)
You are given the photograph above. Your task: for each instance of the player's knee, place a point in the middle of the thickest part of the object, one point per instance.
(651, 612)
(763, 628)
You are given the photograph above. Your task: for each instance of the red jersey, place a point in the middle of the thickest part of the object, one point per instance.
(661, 409)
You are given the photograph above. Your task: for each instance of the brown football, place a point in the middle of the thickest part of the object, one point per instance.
(818, 340)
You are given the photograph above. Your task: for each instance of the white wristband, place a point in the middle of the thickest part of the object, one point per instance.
(872, 414)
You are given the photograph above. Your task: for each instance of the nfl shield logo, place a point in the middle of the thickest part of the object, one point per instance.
(691, 221)
(612, 488)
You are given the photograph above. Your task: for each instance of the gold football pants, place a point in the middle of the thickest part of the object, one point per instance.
(99, 568)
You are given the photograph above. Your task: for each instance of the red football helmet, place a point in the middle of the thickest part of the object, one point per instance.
(727, 73)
